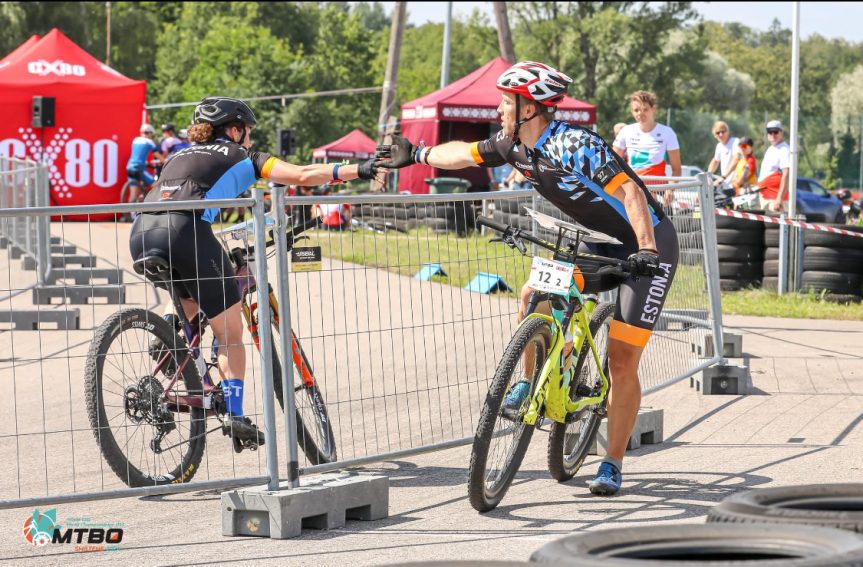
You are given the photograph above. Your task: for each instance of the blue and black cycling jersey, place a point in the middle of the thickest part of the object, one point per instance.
(141, 148)
(221, 169)
(577, 171)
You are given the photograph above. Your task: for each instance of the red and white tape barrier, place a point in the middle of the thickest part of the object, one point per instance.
(776, 220)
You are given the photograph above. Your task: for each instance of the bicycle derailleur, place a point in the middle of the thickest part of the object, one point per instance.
(143, 403)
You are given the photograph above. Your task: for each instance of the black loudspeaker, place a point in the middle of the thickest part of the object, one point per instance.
(286, 143)
(43, 111)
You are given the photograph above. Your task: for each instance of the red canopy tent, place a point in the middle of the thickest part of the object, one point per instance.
(98, 112)
(466, 110)
(353, 145)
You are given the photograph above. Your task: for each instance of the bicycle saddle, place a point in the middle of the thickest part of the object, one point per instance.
(154, 266)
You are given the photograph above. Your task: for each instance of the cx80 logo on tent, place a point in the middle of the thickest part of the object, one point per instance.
(59, 67)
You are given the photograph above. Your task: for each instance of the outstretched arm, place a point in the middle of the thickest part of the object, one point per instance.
(317, 174)
(451, 155)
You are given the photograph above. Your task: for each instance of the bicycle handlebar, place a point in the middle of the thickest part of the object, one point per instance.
(613, 265)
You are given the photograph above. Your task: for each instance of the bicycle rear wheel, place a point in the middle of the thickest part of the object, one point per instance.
(144, 439)
(125, 193)
(502, 436)
(314, 430)
(568, 443)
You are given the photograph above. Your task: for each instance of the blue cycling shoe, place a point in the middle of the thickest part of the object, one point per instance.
(516, 395)
(607, 480)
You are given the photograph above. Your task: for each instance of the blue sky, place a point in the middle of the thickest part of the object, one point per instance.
(829, 19)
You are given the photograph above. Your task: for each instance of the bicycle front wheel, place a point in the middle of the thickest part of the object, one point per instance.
(147, 436)
(568, 443)
(314, 430)
(502, 436)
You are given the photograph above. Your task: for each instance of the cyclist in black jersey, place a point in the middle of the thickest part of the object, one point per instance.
(577, 171)
(220, 165)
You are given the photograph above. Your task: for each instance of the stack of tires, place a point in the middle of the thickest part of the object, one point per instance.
(740, 244)
(512, 213)
(832, 263)
(458, 217)
(689, 237)
(400, 217)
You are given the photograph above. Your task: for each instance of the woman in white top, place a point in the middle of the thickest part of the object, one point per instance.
(648, 145)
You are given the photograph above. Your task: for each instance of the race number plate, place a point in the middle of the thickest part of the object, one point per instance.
(550, 276)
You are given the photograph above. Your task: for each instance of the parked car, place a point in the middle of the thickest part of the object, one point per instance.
(816, 202)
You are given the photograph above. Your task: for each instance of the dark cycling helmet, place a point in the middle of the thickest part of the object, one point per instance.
(535, 81)
(168, 127)
(219, 110)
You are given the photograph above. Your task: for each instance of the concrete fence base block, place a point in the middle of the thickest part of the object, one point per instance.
(31, 319)
(61, 262)
(84, 276)
(730, 379)
(4, 242)
(647, 431)
(680, 319)
(15, 252)
(323, 501)
(60, 249)
(114, 294)
(732, 346)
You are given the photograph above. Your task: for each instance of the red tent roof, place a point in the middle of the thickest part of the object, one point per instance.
(353, 145)
(20, 50)
(56, 62)
(474, 98)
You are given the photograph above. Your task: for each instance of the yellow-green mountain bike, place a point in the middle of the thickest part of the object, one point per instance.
(555, 368)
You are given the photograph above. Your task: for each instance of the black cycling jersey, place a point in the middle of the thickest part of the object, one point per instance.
(221, 169)
(577, 171)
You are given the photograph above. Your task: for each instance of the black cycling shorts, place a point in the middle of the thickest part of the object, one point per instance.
(202, 267)
(640, 301)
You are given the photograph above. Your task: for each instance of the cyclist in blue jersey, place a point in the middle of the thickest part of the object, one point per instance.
(136, 167)
(220, 165)
(578, 172)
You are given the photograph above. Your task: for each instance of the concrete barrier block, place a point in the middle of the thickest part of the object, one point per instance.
(732, 345)
(647, 431)
(32, 319)
(728, 379)
(114, 294)
(323, 501)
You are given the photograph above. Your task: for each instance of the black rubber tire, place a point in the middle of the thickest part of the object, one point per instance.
(771, 253)
(513, 206)
(704, 545)
(437, 223)
(319, 444)
(741, 236)
(826, 505)
(690, 241)
(771, 238)
(736, 285)
(823, 259)
(512, 219)
(736, 253)
(533, 331)
(725, 222)
(833, 282)
(189, 383)
(771, 268)
(393, 212)
(741, 270)
(563, 462)
(691, 257)
(831, 240)
(770, 283)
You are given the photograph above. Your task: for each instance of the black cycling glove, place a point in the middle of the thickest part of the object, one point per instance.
(401, 153)
(367, 169)
(645, 262)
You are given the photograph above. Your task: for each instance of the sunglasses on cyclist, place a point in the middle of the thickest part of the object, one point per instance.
(772, 132)
(718, 132)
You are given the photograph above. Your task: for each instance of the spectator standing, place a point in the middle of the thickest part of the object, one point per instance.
(169, 139)
(775, 169)
(745, 177)
(648, 145)
(727, 152)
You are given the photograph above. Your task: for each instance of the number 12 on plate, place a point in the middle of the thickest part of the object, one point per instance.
(550, 276)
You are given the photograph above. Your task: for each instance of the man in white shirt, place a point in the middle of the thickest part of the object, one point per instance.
(727, 153)
(775, 168)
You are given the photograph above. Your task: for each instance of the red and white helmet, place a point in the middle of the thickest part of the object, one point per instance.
(535, 81)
